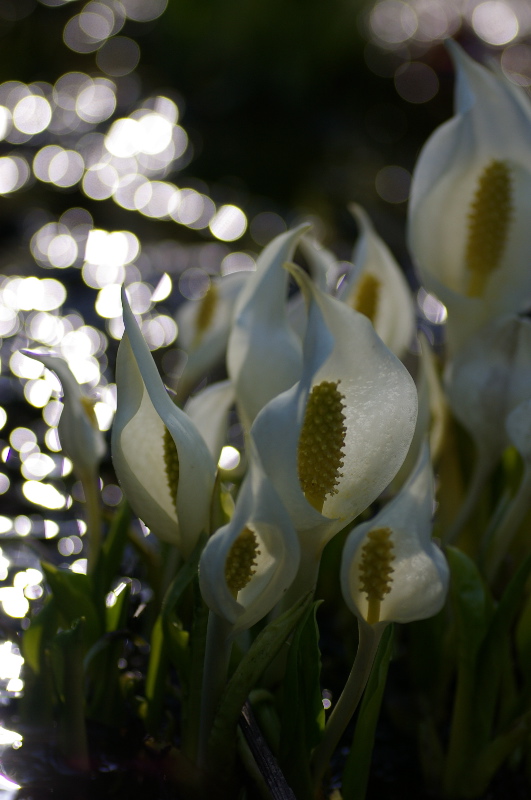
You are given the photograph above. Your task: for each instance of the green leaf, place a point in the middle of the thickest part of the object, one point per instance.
(39, 695)
(263, 650)
(103, 658)
(67, 660)
(156, 677)
(471, 604)
(38, 636)
(116, 615)
(72, 594)
(357, 767)
(497, 640)
(111, 553)
(472, 610)
(176, 639)
(302, 712)
(494, 754)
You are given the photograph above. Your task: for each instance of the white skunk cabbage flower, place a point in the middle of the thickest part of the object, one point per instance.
(324, 271)
(470, 202)
(209, 410)
(248, 564)
(264, 354)
(391, 570)
(489, 378)
(334, 441)
(204, 326)
(80, 436)
(160, 458)
(377, 288)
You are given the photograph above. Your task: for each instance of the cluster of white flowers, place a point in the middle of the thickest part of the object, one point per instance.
(330, 415)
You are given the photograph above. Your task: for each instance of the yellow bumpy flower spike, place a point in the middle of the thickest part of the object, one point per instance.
(376, 570)
(171, 463)
(321, 442)
(488, 225)
(241, 560)
(367, 296)
(205, 312)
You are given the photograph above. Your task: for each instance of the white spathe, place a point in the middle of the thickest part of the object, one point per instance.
(260, 510)
(264, 354)
(394, 312)
(380, 410)
(144, 411)
(80, 437)
(419, 581)
(204, 326)
(492, 122)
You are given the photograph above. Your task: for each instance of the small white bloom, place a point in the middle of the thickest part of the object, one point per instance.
(80, 436)
(391, 570)
(377, 288)
(248, 565)
(204, 326)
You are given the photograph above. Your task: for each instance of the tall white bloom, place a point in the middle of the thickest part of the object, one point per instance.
(333, 442)
(160, 458)
(470, 202)
(264, 354)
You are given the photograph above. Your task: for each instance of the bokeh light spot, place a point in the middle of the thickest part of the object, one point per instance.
(495, 22)
(119, 56)
(32, 114)
(416, 82)
(392, 184)
(228, 224)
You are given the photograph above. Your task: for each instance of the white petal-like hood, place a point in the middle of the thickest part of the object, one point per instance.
(419, 580)
(80, 436)
(492, 124)
(144, 411)
(260, 510)
(380, 408)
(378, 279)
(204, 326)
(209, 411)
(264, 354)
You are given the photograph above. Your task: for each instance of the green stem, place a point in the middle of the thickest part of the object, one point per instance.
(369, 639)
(91, 488)
(73, 735)
(156, 678)
(460, 732)
(505, 533)
(217, 655)
(191, 719)
(482, 470)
